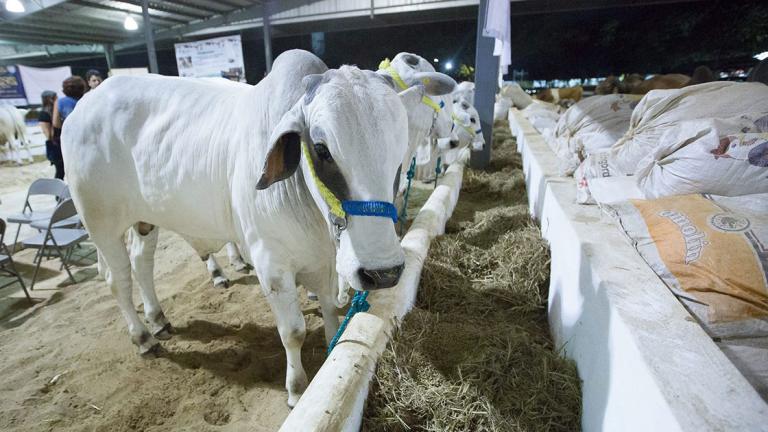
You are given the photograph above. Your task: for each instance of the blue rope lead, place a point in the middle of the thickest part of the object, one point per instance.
(437, 169)
(359, 304)
(411, 173)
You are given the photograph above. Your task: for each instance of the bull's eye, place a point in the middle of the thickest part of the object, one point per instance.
(473, 120)
(323, 153)
(455, 101)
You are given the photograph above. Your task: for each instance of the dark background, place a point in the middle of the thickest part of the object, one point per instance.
(721, 34)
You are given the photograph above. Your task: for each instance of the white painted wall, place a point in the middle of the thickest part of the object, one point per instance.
(645, 363)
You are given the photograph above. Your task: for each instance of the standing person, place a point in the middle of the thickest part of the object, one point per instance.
(45, 120)
(73, 88)
(93, 78)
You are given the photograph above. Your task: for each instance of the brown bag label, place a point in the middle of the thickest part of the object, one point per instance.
(712, 252)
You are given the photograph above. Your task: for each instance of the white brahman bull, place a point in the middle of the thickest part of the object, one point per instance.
(465, 90)
(13, 131)
(298, 170)
(429, 118)
(469, 133)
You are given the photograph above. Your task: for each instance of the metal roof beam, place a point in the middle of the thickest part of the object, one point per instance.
(153, 12)
(174, 7)
(54, 36)
(35, 37)
(56, 29)
(76, 21)
(249, 13)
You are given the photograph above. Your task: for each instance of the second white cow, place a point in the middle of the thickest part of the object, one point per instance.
(13, 132)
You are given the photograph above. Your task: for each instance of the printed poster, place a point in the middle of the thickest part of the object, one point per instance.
(11, 87)
(218, 57)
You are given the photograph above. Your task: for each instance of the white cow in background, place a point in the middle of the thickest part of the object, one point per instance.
(429, 118)
(469, 133)
(264, 165)
(13, 131)
(465, 90)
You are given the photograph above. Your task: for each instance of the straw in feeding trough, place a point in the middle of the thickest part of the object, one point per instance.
(475, 353)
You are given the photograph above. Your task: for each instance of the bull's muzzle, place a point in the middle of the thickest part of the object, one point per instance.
(380, 278)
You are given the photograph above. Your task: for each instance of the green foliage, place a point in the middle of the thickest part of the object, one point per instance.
(467, 72)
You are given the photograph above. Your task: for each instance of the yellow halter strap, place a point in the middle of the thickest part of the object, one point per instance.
(330, 199)
(386, 66)
(458, 122)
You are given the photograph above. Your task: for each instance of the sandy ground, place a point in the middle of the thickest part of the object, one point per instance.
(223, 371)
(18, 178)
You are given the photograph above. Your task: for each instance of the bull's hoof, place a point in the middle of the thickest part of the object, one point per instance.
(165, 333)
(293, 400)
(242, 267)
(147, 343)
(152, 352)
(221, 282)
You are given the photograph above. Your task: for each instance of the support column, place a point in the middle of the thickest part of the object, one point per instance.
(149, 37)
(267, 8)
(486, 74)
(109, 54)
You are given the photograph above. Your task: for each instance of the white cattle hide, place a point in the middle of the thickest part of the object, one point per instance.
(227, 163)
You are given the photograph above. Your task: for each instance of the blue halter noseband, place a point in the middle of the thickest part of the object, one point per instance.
(370, 208)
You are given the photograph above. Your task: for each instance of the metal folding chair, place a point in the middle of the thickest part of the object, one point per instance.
(58, 237)
(6, 263)
(51, 187)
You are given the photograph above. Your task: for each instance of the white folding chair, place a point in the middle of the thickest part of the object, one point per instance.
(58, 237)
(46, 186)
(6, 263)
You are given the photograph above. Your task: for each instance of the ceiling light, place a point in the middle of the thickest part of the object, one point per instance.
(130, 23)
(762, 56)
(15, 6)
(436, 60)
(448, 66)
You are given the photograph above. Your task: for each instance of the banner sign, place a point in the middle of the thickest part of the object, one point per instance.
(37, 80)
(11, 87)
(218, 57)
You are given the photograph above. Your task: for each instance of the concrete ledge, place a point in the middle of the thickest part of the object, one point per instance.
(645, 363)
(335, 398)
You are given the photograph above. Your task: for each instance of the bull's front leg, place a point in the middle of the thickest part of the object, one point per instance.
(280, 290)
(235, 260)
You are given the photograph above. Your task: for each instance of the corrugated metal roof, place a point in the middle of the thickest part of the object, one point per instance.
(101, 21)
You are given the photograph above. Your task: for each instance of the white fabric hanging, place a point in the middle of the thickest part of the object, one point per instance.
(37, 80)
(497, 25)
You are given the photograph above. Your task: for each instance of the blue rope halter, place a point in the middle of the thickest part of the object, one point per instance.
(404, 215)
(437, 169)
(359, 304)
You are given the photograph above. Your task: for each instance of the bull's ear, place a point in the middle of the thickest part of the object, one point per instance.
(435, 83)
(284, 151)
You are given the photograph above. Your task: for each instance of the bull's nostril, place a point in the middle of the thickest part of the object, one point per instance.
(454, 144)
(381, 278)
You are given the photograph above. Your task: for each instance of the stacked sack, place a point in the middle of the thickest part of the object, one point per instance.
(591, 125)
(716, 156)
(663, 115)
(511, 95)
(543, 116)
